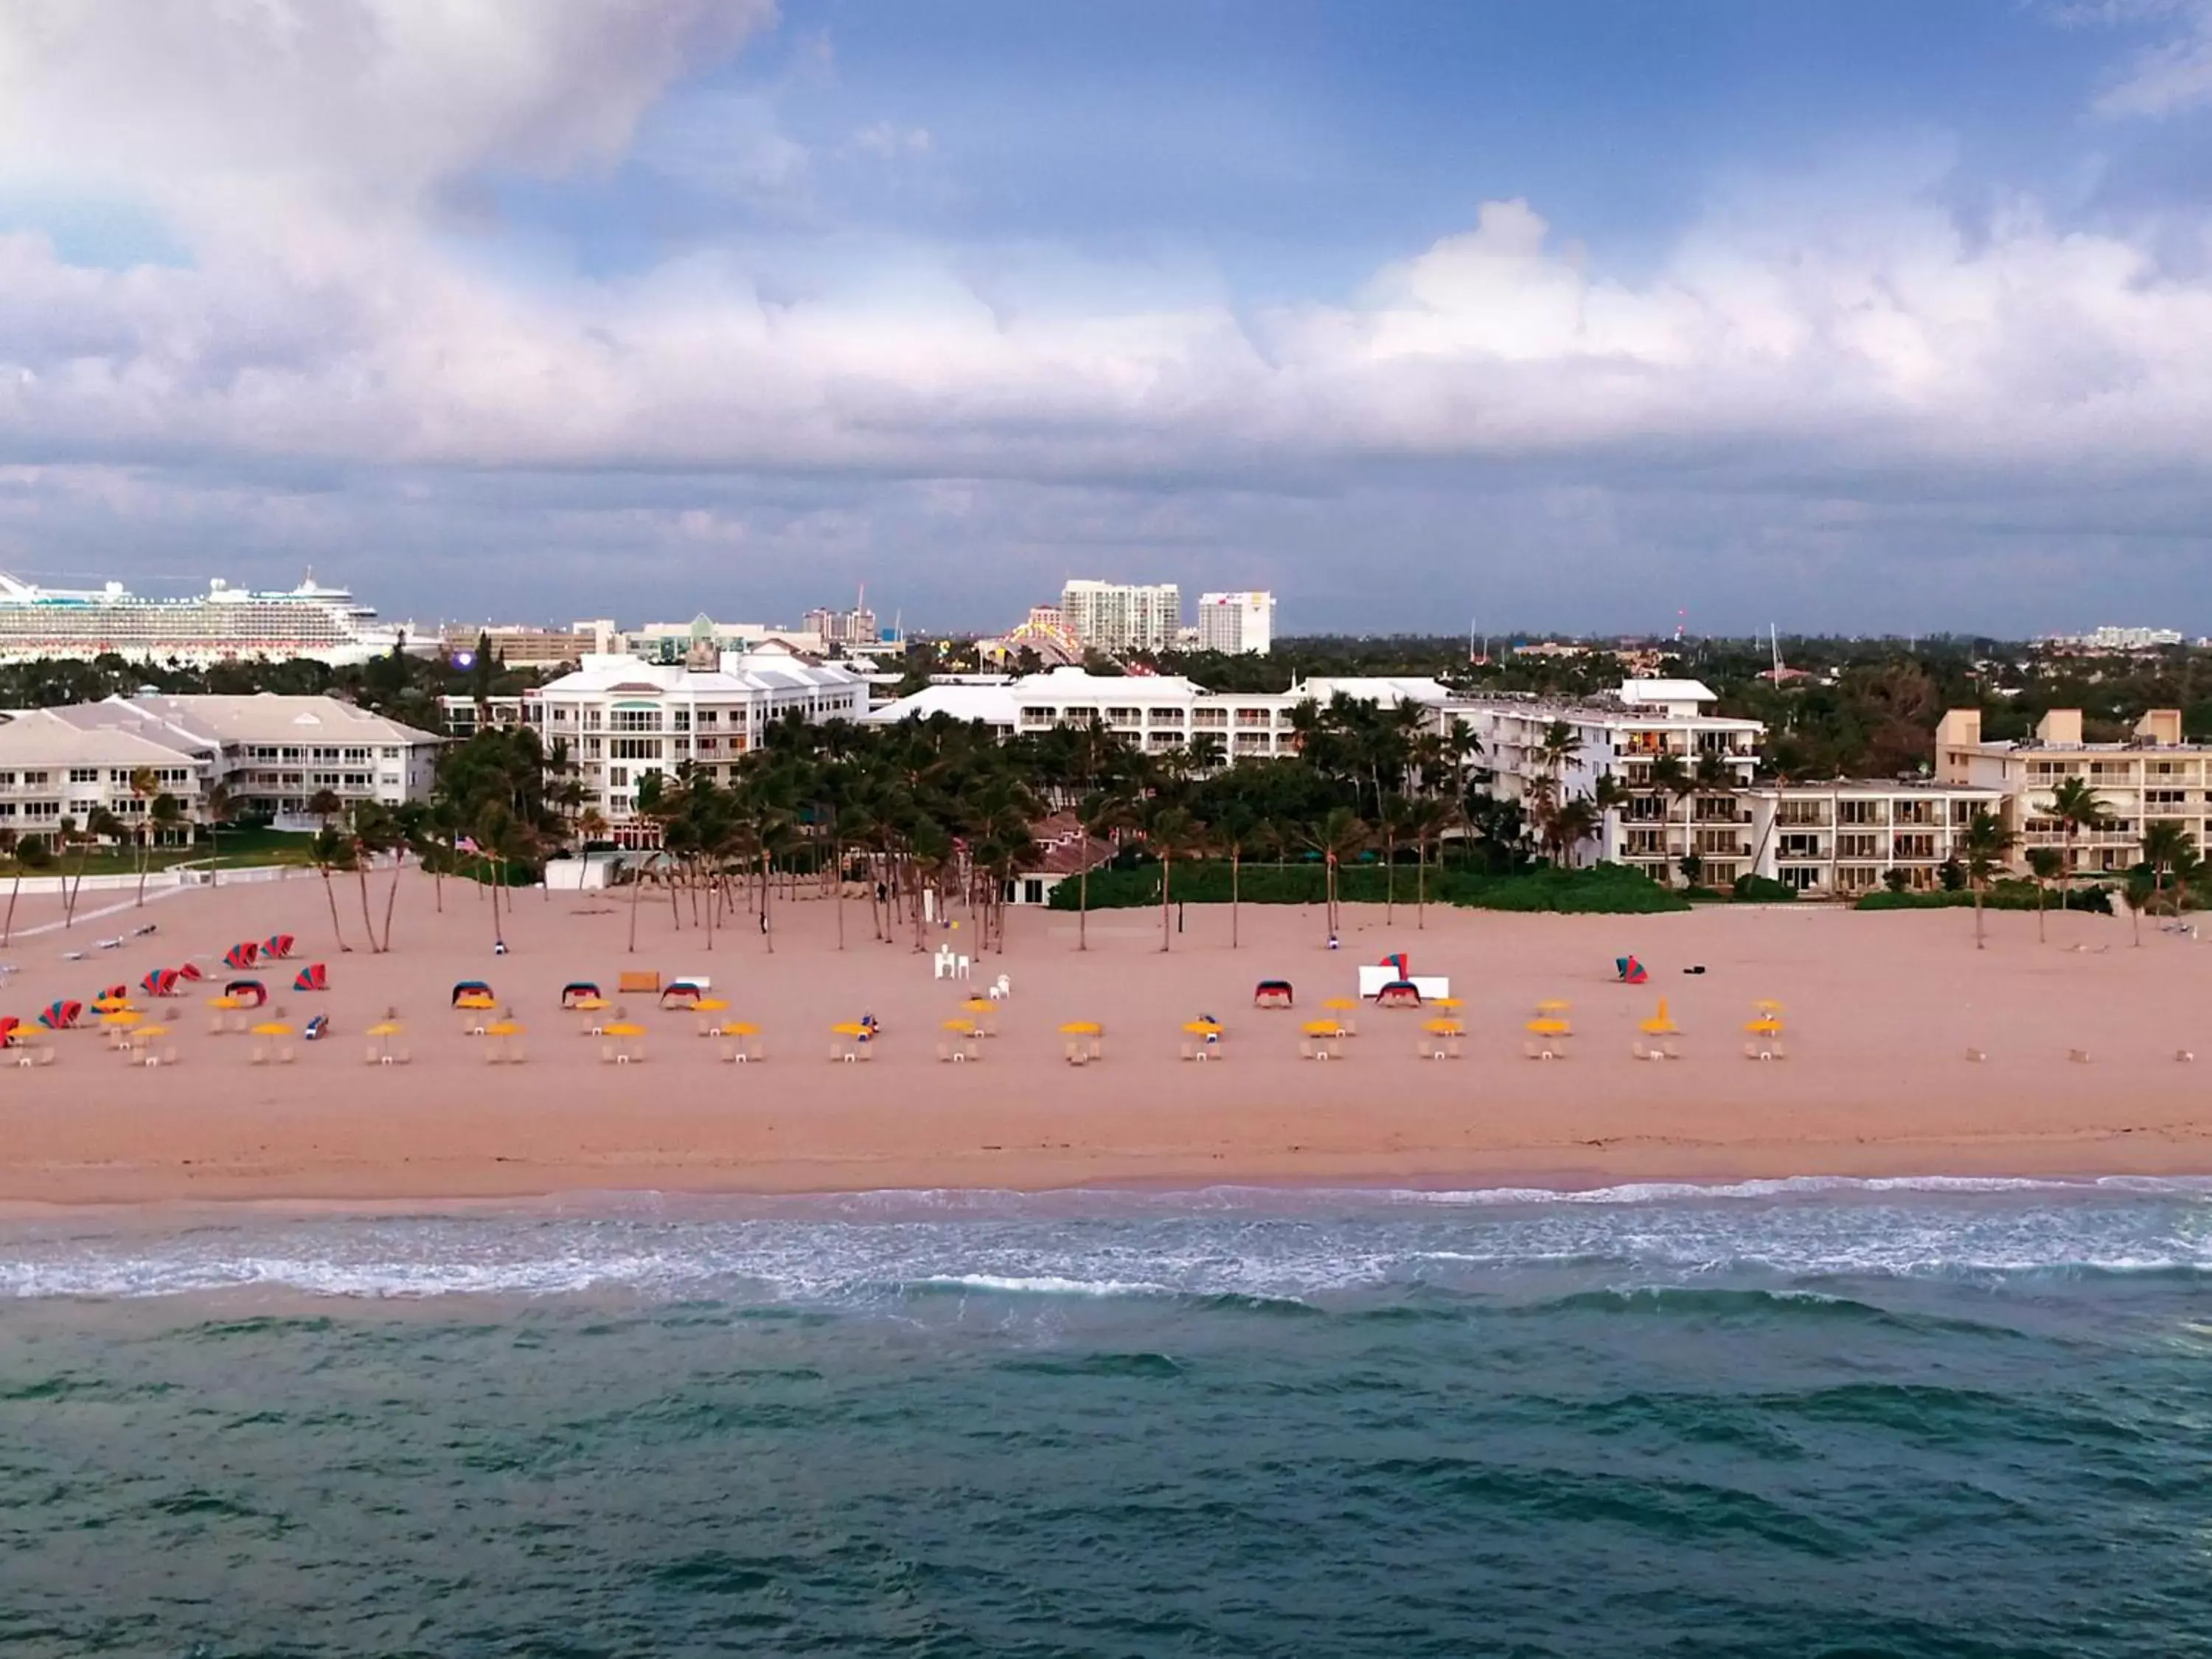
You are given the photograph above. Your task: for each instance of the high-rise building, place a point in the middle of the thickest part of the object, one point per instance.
(1121, 616)
(1236, 622)
(854, 627)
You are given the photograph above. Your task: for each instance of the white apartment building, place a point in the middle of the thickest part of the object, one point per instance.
(1157, 713)
(1841, 838)
(617, 718)
(1236, 622)
(704, 641)
(1620, 737)
(271, 755)
(2154, 776)
(1121, 616)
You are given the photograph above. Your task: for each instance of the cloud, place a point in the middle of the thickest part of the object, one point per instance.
(331, 342)
(2167, 76)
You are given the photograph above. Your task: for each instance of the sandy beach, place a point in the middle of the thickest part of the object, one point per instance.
(1881, 1011)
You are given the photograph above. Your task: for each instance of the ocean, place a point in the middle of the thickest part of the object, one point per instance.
(1791, 1419)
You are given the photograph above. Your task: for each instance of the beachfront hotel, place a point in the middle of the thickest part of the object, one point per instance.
(271, 756)
(1236, 623)
(2155, 774)
(1842, 838)
(615, 719)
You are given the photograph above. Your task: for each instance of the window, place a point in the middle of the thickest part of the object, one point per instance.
(324, 754)
(84, 774)
(1860, 812)
(1916, 847)
(617, 777)
(34, 779)
(634, 748)
(119, 775)
(290, 756)
(634, 719)
(1858, 847)
(83, 809)
(356, 756)
(1800, 847)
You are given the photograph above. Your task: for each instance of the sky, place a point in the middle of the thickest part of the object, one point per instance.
(1873, 316)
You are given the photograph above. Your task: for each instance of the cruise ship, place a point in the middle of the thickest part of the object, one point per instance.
(223, 624)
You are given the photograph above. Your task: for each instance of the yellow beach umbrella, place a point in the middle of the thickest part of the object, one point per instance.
(384, 1027)
(851, 1028)
(272, 1027)
(624, 1028)
(1203, 1027)
(1548, 1027)
(1320, 1028)
(1553, 1005)
(588, 1005)
(1446, 1002)
(965, 1027)
(1661, 1023)
(1763, 1027)
(121, 1017)
(148, 1033)
(110, 1005)
(475, 1002)
(1340, 1004)
(225, 1000)
(506, 1028)
(1444, 1028)
(1081, 1028)
(1766, 1005)
(979, 1004)
(710, 1004)
(741, 1029)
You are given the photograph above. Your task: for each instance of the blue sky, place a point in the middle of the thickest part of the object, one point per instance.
(1872, 316)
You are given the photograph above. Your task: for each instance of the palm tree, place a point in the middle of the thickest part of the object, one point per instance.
(1985, 844)
(29, 853)
(373, 832)
(1568, 826)
(144, 786)
(1237, 830)
(1426, 825)
(2170, 850)
(1205, 755)
(1172, 832)
(1343, 834)
(409, 824)
(1100, 816)
(2046, 865)
(328, 855)
(216, 811)
(10, 849)
(166, 812)
(1669, 777)
(2076, 807)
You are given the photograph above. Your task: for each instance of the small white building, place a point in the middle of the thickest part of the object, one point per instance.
(617, 719)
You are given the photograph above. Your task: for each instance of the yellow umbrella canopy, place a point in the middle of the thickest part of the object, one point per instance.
(851, 1028)
(473, 1002)
(121, 1017)
(625, 1028)
(1444, 1028)
(1339, 1003)
(224, 1001)
(1661, 1023)
(1548, 1027)
(1553, 1005)
(588, 1005)
(1447, 1002)
(710, 1004)
(965, 1027)
(1320, 1028)
(1203, 1027)
(1081, 1028)
(503, 1028)
(741, 1029)
(979, 1004)
(1767, 1006)
(1763, 1027)
(110, 1005)
(272, 1027)
(148, 1033)
(384, 1027)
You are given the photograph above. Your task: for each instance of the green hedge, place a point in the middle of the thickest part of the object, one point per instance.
(2003, 896)
(1759, 889)
(1606, 889)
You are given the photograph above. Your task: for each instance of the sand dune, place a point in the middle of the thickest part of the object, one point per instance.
(1881, 1011)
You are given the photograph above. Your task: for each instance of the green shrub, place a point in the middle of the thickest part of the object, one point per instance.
(2003, 896)
(1760, 890)
(1604, 889)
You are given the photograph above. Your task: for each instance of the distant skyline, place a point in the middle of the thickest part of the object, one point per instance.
(1866, 318)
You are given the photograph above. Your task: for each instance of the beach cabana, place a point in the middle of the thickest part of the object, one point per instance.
(1658, 1035)
(1318, 1040)
(113, 996)
(244, 954)
(625, 1042)
(1547, 1036)
(1629, 971)
(277, 946)
(61, 1015)
(1273, 993)
(1398, 993)
(681, 994)
(160, 982)
(271, 1042)
(190, 971)
(315, 976)
(8, 1027)
(247, 993)
(472, 992)
(577, 992)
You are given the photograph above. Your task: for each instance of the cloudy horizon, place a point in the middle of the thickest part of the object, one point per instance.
(1847, 318)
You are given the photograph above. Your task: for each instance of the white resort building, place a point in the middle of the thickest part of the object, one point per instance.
(617, 719)
(1841, 838)
(271, 755)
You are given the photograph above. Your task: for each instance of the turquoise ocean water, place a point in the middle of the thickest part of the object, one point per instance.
(1969, 1419)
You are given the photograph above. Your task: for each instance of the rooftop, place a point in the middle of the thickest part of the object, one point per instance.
(213, 719)
(42, 736)
(739, 675)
